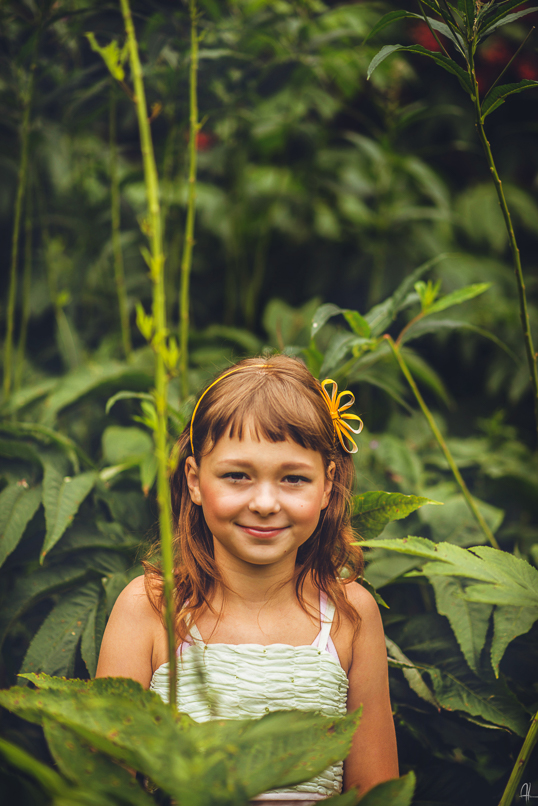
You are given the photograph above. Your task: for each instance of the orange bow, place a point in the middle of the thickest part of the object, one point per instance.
(343, 429)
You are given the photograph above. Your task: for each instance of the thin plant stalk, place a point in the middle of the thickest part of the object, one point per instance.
(188, 244)
(21, 187)
(442, 444)
(119, 273)
(26, 285)
(521, 762)
(156, 260)
(516, 258)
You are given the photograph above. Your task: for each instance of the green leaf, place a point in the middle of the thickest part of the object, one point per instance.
(496, 97)
(469, 620)
(396, 792)
(443, 61)
(121, 444)
(388, 19)
(112, 56)
(423, 326)
(18, 505)
(93, 378)
(357, 323)
(411, 673)
(48, 436)
(125, 395)
(92, 634)
(43, 582)
(373, 510)
(370, 588)
(80, 763)
(459, 296)
(380, 316)
(53, 648)
(414, 546)
(508, 623)
(492, 702)
(27, 764)
(62, 497)
(238, 758)
(505, 19)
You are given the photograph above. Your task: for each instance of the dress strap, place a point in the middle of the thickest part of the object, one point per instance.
(194, 632)
(326, 612)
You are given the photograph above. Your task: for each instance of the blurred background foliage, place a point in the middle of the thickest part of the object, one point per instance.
(314, 186)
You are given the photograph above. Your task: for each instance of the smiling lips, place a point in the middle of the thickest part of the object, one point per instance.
(263, 532)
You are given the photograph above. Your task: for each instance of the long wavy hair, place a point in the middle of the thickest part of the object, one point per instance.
(276, 398)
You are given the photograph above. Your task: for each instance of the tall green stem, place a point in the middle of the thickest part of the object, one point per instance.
(119, 273)
(26, 284)
(21, 187)
(516, 259)
(191, 208)
(159, 341)
(521, 763)
(442, 444)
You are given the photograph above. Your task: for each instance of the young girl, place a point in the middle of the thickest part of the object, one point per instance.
(266, 603)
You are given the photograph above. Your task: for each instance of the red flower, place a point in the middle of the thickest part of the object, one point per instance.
(527, 67)
(496, 52)
(205, 141)
(423, 36)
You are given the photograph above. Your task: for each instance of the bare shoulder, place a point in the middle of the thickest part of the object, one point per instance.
(363, 602)
(134, 597)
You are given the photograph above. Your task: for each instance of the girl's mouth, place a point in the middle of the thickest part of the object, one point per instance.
(263, 532)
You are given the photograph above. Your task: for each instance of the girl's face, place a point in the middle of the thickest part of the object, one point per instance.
(261, 500)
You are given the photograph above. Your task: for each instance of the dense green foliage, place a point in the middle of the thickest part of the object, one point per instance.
(354, 225)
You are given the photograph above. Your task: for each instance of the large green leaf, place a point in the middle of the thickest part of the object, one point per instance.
(80, 763)
(496, 97)
(27, 764)
(121, 444)
(224, 761)
(443, 61)
(492, 702)
(92, 634)
(426, 325)
(62, 496)
(18, 505)
(43, 582)
(397, 792)
(410, 671)
(92, 378)
(373, 510)
(469, 620)
(53, 648)
(508, 623)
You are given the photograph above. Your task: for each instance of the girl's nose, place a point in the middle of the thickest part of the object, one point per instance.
(264, 500)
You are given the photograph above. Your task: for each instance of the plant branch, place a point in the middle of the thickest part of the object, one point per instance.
(119, 274)
(21, 187)
(26, 284)
(521, 763)
(432, 32)
(516, 258)
(503, 71)
(188, 244)
(159, 318)
(442, 444)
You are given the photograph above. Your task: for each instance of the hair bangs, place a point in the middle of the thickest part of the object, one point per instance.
(265, 409)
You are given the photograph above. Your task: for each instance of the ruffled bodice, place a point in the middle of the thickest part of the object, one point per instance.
(246, 681)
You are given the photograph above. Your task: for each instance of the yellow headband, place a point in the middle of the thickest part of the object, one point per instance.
(341, 428)
(333, 403)
(211, 385)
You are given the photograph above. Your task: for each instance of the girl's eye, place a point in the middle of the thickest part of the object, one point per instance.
(296, 479)
(235, 476)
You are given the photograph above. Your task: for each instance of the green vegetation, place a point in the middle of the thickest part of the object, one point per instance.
(187, 184)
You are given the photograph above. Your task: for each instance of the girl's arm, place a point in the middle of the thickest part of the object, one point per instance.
(127, 647)
(373, 757)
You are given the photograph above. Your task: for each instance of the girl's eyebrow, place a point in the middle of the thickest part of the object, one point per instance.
(245, 463)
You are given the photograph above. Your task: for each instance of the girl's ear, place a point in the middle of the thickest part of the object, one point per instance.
(329, 478)
(192, 474)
